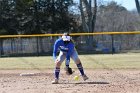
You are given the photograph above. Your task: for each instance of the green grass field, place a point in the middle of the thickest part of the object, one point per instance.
(100, 61)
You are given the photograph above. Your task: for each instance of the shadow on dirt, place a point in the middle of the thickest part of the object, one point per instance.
(92, 83)
(89, 82)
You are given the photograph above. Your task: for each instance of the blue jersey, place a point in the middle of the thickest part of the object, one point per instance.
(59, 45)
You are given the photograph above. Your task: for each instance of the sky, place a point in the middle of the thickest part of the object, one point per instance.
(129, 4)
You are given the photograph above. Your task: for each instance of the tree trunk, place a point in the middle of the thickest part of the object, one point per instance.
(137, 6)
(84, 25)
(94, 15)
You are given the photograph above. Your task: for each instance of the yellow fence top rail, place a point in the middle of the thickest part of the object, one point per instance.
(73, 34)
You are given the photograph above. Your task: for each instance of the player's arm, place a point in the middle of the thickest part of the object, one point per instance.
(55, 49)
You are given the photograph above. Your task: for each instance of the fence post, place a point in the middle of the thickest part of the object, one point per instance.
(1, 48)
(37, 46)
(112, 41)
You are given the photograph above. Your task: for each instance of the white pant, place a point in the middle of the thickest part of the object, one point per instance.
(62, 56)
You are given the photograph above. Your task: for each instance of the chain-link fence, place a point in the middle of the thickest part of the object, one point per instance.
(39, 46)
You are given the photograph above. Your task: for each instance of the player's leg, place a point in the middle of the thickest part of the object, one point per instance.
(67, 68)
(76, 59)
(58, 63)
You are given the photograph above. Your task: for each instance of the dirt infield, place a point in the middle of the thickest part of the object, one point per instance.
(100, 81)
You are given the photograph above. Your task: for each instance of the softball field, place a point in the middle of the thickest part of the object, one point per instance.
(118, 73)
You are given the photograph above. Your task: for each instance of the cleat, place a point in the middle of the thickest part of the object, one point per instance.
(55, 81)
(85, 77)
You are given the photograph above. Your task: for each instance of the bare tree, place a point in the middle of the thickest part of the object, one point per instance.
(88, 16)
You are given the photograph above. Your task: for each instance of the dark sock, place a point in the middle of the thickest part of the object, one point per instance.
(80, 68)
(57, 71)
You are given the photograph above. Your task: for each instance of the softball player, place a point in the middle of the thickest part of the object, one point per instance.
(67, 51)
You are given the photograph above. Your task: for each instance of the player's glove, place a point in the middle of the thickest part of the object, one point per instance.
(68, 70)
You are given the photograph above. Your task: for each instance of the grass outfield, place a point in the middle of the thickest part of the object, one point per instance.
(100, 61)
